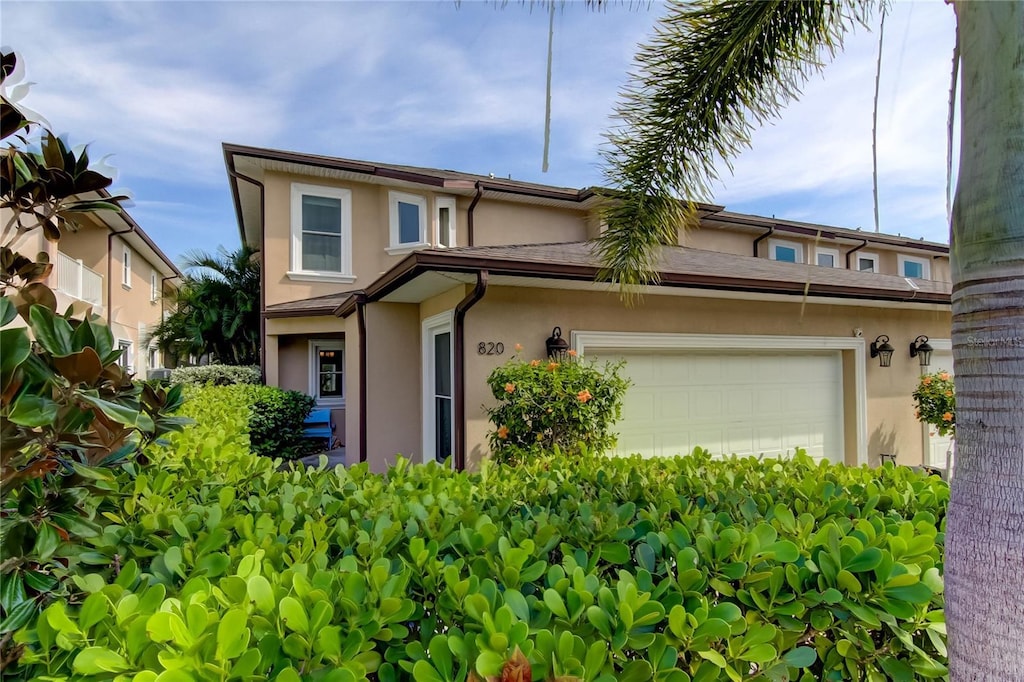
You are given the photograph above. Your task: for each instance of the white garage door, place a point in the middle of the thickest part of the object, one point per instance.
(744, 403)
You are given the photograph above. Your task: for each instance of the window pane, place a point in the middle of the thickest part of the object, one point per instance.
(444, 230)
(785, 254)
(408, 223)
(442, 428)
(330, 385)
(866, 265)
(912, 269)
(443, 364)
(827, 260)
(321, 252)
(321, 214)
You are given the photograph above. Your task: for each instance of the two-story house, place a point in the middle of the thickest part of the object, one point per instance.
(390, 293)
(111, 265)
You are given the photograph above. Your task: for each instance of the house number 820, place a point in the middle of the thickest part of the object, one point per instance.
(490, 348)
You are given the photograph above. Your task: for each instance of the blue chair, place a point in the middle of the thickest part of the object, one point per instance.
(320, 424)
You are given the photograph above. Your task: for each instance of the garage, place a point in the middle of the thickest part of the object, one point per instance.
(738, 401)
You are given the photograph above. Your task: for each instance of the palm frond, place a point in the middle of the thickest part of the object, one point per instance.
(713, 70)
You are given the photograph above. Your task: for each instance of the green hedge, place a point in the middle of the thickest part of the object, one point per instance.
(219, 566)
(216, 375)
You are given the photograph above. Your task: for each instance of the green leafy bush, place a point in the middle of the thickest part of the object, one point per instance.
(216, 375)
(935, 398)
(546, 404)
(275, 427)
(218, 566)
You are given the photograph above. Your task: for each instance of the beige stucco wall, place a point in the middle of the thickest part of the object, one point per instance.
(526, 316)
(131, 306)
(502, 222)
(394, 397)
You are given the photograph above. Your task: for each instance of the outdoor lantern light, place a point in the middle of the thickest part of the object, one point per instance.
(557, 346)
(920, 347)
(881, 349)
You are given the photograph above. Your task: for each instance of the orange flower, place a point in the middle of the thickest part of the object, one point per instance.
(947, 417)
(571, 353)
(944, 376)
(519, 348)
(949, 394)
(584, 396)
(534, 363)
(503, 432)
(927, 381)
(510, 388)
(552, 366)
(917, 413)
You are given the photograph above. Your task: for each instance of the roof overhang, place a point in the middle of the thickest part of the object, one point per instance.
(122, 224)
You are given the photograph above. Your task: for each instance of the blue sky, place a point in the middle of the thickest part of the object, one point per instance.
(160, 85)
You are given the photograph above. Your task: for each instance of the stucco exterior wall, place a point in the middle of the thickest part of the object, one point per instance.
(394, 396)
(294, 371)
(500, 222)
(133, 311)
(526, 316)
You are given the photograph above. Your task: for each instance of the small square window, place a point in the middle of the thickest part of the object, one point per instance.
(408, 220)
(826, 260)
(786, 252)
(914, 268)
(867, 262)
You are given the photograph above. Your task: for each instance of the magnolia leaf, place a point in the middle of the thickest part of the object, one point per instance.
(83, 367)
(7, 312)
(52, 331)
(33, 410)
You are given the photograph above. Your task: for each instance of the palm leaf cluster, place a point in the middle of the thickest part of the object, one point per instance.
(712, 72)
(216, 309)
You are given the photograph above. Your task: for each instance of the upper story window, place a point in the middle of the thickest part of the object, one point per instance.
(126, 267)
(826, 258)
(408, 221)
(787, 252)
(154, 287)
(321, 234)
(444, 221)
(914, 268)
(867, 262)
(125, 359)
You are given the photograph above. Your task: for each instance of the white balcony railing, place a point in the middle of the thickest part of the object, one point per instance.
(78, 281)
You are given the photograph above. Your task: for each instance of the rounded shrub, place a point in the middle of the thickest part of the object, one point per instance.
(935, 399)
(216, 375)
(570, 405)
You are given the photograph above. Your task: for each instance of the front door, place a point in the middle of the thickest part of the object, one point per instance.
(438, 422)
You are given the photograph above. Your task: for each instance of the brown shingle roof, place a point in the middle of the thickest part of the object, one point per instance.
(318, 305)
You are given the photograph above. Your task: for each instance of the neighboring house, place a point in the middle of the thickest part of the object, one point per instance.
(390, 293)
(113, 266)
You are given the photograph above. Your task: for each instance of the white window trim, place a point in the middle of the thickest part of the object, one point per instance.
(150, 351)
(449, 203)
(926, 265)
(831, 252)
(129, 356)
(865, 254)
(314, 371)
(126, 267)
(296, 273)
(398, 247)
(438, 323)
(584, 341)
(772, 243)
(154, 290)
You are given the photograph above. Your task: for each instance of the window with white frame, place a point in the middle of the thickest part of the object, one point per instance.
(444, 221)
(154, 357)
(787, 252)
(125, 359)
(321, 230)
(408, 221)
(327, 371)
(914, 268)
(826, 258)
(126, 267)
(154, 286)
(867, 262)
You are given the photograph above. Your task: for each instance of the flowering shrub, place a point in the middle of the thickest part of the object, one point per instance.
(936, 402)
(543, 404)
(217, 375)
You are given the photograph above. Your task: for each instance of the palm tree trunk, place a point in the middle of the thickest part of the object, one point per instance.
(985, 543)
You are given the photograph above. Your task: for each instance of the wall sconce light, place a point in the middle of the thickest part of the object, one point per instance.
(557, 346)
(881, 349)
(920, 348)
